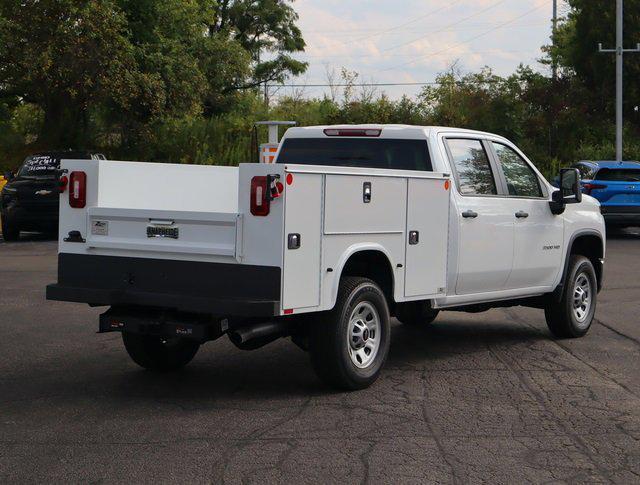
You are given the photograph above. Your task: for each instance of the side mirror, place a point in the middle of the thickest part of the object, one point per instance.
(570, 191)
(570, 186)
(8, 176)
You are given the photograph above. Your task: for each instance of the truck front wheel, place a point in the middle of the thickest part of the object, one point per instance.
(573, 315)
(158, 353)
(349, 345)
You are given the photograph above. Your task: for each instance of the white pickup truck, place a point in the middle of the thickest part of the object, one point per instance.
(352, 225)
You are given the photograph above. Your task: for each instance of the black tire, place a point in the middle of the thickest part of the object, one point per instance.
(332, 342)
(10, 231)
(561, 316)
(158, 354)
(416, 313)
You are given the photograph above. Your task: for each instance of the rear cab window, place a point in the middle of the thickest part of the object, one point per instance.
(39, 165)
(382, 153)
(619, 174)
(46, 164)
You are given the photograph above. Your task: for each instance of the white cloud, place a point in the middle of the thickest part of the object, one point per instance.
(361, 35)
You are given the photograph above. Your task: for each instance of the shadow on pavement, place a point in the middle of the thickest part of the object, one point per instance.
(278, 372)
(627, 233)
(31, 237)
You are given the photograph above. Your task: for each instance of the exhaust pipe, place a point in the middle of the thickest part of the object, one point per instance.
(252, 337)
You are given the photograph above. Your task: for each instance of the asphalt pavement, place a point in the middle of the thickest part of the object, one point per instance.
(473, 398)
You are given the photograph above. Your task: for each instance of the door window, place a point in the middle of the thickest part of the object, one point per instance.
(473, 169)
(522, 181)
(586, 173)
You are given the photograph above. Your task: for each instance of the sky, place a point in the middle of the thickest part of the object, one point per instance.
(411, 41)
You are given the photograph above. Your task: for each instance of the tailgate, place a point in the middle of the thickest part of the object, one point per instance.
(160, 231)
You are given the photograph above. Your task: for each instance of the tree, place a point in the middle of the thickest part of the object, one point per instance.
(64, 56)
(267, 30)
(99, 68)
(588, 23)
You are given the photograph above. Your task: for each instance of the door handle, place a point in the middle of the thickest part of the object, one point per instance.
(469, 214)
(522, 215)
(414, 238)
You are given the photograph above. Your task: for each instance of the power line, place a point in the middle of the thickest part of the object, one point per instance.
(477, 26)
(380, 85)
(475, 14)
(362, 56)
(464, 42)
(417, 19)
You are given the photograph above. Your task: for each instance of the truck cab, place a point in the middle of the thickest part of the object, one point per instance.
(349, 226)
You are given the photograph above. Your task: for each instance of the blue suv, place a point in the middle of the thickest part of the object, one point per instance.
(617, 186)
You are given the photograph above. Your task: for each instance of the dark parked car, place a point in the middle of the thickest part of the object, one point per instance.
(29, 201)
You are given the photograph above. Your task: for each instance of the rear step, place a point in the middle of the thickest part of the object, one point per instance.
(246, 335)
(169, 324)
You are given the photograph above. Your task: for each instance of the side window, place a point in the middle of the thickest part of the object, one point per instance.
(585, 172)
(522, 181)
(475, 176)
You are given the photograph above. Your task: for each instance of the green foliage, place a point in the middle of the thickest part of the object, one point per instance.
(261, 27)
(113, 69)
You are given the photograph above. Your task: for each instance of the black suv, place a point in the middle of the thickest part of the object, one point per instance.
(29, 201)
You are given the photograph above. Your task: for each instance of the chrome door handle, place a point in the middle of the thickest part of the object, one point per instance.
(522, 215)
(469, 214)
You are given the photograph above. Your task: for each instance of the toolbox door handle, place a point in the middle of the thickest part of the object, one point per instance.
(366, 192)
(294, 241)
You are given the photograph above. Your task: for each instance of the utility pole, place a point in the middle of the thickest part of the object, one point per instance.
(619, 52)
(554, 62)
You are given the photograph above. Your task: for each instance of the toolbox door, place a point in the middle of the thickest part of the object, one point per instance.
(427, 237)
(302, 239)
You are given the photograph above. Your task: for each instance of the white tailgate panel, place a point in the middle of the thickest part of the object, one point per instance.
(303, 215)
(165, 186)
(126, 229)
(347, 213)
(428, 213)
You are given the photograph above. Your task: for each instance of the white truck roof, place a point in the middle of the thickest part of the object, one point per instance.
(388, 131)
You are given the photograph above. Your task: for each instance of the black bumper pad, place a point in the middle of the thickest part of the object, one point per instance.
(190, 286)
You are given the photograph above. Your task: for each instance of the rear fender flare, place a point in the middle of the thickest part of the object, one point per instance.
(352, 250)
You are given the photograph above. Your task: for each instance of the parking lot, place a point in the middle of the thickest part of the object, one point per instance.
(488, 397)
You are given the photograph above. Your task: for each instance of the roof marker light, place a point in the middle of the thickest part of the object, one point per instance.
(369, 132)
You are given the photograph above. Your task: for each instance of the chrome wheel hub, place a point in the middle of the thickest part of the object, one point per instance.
(363, 334)
(582, 294)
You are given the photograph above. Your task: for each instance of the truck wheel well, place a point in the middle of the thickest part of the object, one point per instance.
(590, 246)
(373, 265)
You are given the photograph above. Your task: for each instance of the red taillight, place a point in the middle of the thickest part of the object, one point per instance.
(78, 190)
(353, 132)
(588, 188)
(260, 197)
(63, 183)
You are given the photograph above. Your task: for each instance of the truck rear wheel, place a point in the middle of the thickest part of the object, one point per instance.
(158, 353)
(573, 315)
(416, 313)
(350, 344)
(10, 231)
